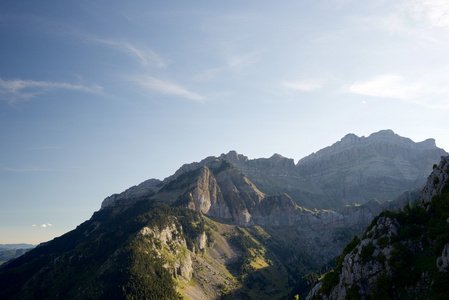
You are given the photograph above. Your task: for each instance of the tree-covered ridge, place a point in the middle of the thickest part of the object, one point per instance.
(104, 258)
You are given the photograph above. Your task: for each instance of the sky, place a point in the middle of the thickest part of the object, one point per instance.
(98, 96)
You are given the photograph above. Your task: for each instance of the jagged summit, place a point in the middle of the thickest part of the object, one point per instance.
(351, 140)
(356, 169)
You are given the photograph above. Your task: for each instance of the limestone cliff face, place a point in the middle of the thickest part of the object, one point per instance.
(357, 169)
(361, 268)
(171, 246)
(134, 193)
(436, 181)
(206, 196)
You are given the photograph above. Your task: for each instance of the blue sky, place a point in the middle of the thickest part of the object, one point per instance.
(97, 96)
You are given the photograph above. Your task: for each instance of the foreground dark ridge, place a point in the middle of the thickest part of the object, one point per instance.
(401, 255)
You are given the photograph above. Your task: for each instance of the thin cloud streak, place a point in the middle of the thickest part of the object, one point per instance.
(168, 88)
(394, 86)
(19, 89)
(232, 63)
(435, 13)
(385, 86)
(241, 60)
(303, 86)
(413, 18)
(145, 56)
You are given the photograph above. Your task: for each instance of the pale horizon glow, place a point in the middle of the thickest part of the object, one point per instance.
(98, 96)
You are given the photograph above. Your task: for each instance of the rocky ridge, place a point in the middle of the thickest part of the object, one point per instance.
(218, 189)
(354, 170)
(357, 169)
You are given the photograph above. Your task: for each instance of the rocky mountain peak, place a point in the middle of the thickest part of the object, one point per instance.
(357, 169)
(350, 138)
(233, 156)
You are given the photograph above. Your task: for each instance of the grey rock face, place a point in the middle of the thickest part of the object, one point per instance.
(146, 188)
(436, 180)
(362, 266)
(171, 242)
(357, 169)
(443, 260)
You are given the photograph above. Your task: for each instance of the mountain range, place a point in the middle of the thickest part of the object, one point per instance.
(352, 170)
(228, 227)
(11, 251)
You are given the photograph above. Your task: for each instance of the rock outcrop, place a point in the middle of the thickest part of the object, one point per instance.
(362, 266)
(134, 193)
(436, 181)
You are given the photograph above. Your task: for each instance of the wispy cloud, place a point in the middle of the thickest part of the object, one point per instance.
(231, 62)
(304, 85)
(168, 88)
(434, 13)
(234, 60)
(45, 225)
(19, 89)
(394, 86)
(385, 86)
(415, 18)
(145, 56)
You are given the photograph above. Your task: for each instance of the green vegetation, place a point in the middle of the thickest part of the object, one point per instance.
(271, 265)
(182, 182)
(428, 232)
(353, 293)
(367, 252)
(383, 241)
(330, 280)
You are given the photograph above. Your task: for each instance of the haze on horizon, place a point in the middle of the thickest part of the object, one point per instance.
(97, 97)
